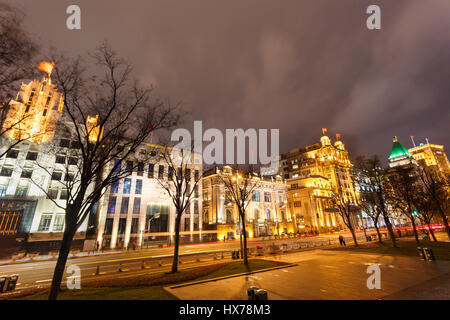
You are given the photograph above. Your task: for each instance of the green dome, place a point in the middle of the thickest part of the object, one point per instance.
(398, 151)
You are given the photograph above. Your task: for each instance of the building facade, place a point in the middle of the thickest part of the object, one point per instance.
(432, 155)
(313, 173)
(32, 197)
(137, 210)
(267, 212)
(35, 112)
(134, 210)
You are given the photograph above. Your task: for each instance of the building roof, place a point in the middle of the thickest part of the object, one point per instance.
(398, 151)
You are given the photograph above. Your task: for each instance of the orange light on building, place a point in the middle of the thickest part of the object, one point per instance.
(46, 66)
(93, 129)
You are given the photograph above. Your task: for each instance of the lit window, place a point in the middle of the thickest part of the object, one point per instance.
(112, 205)
(126, 186)
(137, 205)
(138, 187)
(115, 186)
(124, 206)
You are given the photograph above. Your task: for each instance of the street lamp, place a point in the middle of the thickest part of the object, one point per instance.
(156, 216)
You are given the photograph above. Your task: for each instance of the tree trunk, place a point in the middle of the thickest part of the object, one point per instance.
(414, 229)
(445, 221)
(177, 242)
(61, 263)
(240, 236)
(380, 240)
(431, 232)
(245, 241)
(353, 235)
(391, 232)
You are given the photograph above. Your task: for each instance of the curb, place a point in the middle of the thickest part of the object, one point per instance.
(231, 276)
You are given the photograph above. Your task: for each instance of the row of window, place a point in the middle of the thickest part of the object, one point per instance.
(46, 222)
(32, 155)
(7, 172)
(257, 214)
(127, 186)
(124, 205)
(129, 165)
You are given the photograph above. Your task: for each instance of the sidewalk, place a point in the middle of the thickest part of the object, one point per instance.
(434, 289)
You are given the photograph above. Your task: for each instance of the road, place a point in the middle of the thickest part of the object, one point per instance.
(39, 273)
(331, 274)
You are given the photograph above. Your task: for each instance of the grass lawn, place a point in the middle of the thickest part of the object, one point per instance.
(108, 293)
(150, 287)
(441, 250)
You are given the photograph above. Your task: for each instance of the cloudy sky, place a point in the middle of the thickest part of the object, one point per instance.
(290, 64)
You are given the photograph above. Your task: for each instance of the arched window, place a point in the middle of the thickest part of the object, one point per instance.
(256, 214)
(228, 213)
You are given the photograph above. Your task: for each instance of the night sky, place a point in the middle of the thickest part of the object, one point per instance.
(294, 65)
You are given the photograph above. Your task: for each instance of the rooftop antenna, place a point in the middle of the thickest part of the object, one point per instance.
(414, 144)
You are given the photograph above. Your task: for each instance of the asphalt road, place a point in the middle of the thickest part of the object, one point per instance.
(39, 273)
(332, 274)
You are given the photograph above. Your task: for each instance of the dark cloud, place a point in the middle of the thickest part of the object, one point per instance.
(294, 65)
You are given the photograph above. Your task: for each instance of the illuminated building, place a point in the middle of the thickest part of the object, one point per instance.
(30, 180)
(34, 113)
(32, 194)
(313, 174)
(400, 156)
(137, 210)
(431, 155)
(266, 214)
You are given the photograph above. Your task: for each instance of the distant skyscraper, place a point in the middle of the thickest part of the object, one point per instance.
(431, 155)
(399, 156)
(313, 174)
(35, 113)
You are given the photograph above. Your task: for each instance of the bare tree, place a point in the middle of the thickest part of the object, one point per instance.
(17, 51)
(368, 203)
(108, 117)
(425, 208)
(181, 185)
(375, 178)
(240, 182)
(346, 209)
(436, 187)
(401, 187)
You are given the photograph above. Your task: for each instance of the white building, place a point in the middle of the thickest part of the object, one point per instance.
(136, 209)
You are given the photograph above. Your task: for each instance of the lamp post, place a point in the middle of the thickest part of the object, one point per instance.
(156, 216)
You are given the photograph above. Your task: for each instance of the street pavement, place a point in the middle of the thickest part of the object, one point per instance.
(332, 274)
(39, 273)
